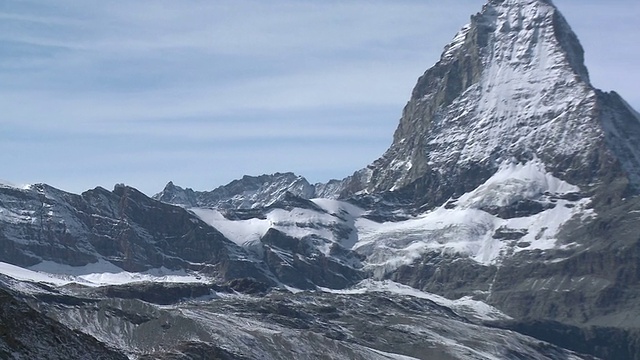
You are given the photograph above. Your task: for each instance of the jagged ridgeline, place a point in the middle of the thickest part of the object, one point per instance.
(503, 222)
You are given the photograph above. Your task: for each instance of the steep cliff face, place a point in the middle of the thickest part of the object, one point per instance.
(511, 86)
(293, 241)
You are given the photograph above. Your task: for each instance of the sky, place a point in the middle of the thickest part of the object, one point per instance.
(202, 92)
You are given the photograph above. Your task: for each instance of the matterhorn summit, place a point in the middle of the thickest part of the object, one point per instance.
(510, 87)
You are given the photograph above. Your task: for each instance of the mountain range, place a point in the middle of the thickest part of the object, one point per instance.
(503, 222)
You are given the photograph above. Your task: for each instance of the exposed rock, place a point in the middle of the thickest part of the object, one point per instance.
(123, 227)
(504, 233)
(298, 263)
(309, 325)
(521, 208)
(605, 343)
(27, 334)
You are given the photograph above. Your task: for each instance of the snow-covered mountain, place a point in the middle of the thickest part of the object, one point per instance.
(510, 87)
(502, 222)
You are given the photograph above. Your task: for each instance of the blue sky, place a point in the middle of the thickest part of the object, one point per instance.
(202, 92)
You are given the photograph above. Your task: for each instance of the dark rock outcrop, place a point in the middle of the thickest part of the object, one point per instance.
(27, 334)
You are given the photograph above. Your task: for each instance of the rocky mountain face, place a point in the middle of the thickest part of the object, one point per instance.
(503, 222)
(122, 227)
(512, 89)
(125, 230)
(26, 334)
(241, 321)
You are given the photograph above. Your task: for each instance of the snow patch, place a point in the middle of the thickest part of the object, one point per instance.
(9, 184)
(513, 182)
(456, 43)
(297, 222)
(93, 275)
(238, 231)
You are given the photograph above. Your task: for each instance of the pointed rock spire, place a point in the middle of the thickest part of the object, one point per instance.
(174, 194)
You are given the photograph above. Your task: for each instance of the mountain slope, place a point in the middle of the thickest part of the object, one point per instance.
(124, 231)
(120, 229)
(371, 321)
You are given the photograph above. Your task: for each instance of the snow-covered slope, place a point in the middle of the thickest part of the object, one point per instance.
(304, 243)
(99, 274)
(333, 221)
(465, 306)
(520, 208)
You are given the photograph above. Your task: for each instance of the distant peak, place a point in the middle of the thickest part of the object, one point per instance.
(171, 186)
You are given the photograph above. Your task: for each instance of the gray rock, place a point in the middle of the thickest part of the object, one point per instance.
(27, 334)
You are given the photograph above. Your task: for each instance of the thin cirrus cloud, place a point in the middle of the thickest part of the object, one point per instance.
(202, 92)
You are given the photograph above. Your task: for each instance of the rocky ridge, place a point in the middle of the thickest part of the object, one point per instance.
(246, 193)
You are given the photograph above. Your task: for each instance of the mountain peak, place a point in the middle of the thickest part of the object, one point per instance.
(511, 86)
(176, 195)
(526, 34)
(525, 22)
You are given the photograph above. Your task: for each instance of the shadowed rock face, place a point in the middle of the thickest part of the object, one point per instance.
(26, 334)
(304, 267)
(123, 227)
(604, 342)
(127, 229)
